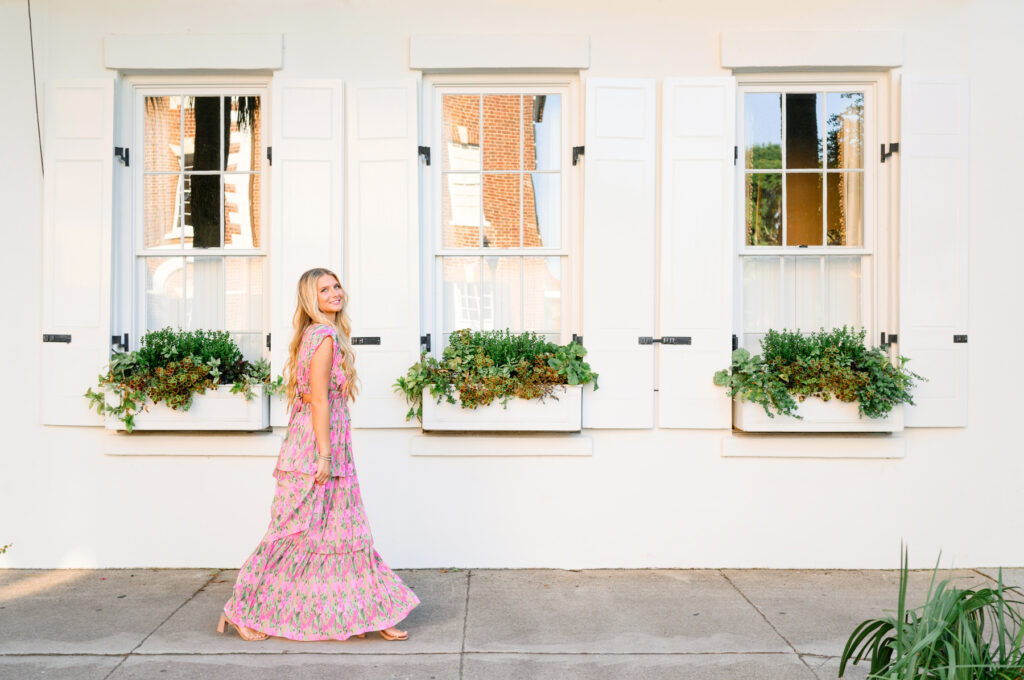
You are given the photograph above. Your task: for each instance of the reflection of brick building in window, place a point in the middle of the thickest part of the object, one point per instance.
(490, 201)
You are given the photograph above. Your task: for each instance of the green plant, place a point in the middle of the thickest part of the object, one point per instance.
(482, 366)
(957, 634)
(3, 548)
(172, 366)
(824, 364)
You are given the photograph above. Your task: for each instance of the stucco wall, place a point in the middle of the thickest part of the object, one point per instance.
(645, 498)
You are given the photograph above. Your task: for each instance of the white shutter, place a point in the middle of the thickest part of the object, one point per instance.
(698, 132)
(307, 182)
(619, 251)
(383, 244)
(78, 203)
(933, 245)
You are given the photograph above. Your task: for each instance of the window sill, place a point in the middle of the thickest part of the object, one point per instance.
(515, 444)
(564, 414)
(813, 445)
(227, 445)
(827, 417)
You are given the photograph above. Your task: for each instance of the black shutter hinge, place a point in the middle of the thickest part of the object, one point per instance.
(578, 151)
(268, 340)
(119, 341)
(270, 155)
(366, 340)
(425, 341)
(887, 340)
(667, 340)
(958, 339)
(50, 337)
(578, 339)
(735, 154)
(424, 151)
(894, 147)
(122, 154)
(735, 342)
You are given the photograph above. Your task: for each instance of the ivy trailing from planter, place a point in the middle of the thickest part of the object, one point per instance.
(172, 366)
(793, 366)
(481, 366)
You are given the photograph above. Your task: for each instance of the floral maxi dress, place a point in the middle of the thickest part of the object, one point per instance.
(316, 575)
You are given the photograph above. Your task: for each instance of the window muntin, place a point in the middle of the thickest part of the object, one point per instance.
(501, 253)
(200, 235)
(805, 248)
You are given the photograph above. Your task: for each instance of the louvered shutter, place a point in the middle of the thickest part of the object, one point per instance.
(934, 185)
(619, 251)
(307, 199)
(383, 244)
(78, 203)
(697, 173)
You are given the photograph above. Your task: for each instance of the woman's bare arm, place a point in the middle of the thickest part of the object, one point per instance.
(319, 381)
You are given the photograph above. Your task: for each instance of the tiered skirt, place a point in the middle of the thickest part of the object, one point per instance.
(316, 575)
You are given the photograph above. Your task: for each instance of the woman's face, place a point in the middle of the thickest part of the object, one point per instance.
(329, 295)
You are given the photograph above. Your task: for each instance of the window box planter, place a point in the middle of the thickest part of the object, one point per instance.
(817, 415)
(218, 409)
(521, 415)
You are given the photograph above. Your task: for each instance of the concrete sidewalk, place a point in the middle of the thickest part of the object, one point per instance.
(482, 623)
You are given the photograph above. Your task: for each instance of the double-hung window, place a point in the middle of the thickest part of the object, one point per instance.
(498, 225)
(807, 206)
(199, 239)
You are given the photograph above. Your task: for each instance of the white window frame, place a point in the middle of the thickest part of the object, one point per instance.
(128, 309)
(432, 252)
(878, 251)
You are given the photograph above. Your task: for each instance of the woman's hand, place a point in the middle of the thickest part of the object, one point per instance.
(322, 468)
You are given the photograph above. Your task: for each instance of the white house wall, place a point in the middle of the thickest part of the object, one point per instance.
(645, 498)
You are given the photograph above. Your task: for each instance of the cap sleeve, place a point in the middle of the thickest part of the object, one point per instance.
(319, 333)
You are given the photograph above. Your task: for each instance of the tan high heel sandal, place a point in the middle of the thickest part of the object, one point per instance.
(388, 636)
(254, 636)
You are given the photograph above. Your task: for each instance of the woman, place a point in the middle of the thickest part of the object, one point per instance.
(316, 575)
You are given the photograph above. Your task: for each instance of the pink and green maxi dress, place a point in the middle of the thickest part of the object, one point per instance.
(316, 575)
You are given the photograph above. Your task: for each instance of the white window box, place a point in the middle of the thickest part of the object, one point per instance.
(817, 416)
(521, 415)
(217, 409)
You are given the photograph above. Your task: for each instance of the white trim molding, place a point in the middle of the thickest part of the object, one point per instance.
(739, 445)
(461, 52)
(518, 444)
(811, 49)
(186, 51)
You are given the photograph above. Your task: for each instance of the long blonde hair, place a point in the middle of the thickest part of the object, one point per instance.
(307, 311)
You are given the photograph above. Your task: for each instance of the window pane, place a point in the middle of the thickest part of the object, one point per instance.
(501, 211)
(242, 214)
(162, 211)
(460, 210)
(844, 291)
(803, 294)
(461, 132)
(845, 129)
(803, 209)
(764, 209)
(202, 211)
(845, 208)
(762, 288)
(502, 132)
(203, 129)
(762, 114)
(542, 131)
(482, 293)
(244, 143)
(204, 292)
(163, 134)
(165, 291)
(803, 130)
(243, 296)
(542, 210)
(542, 302)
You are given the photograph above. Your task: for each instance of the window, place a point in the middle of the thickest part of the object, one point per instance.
(807, 206)
(198, 219)
(498, 226)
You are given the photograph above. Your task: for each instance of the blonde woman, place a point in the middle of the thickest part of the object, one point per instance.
(316, 575)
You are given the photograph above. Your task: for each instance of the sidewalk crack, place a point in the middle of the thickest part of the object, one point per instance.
(465, 618)
(166, 619)
(770, 624)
